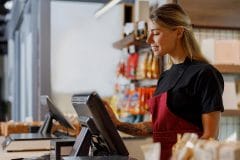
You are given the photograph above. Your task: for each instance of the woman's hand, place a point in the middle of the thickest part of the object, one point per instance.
(136, 129)
(111, 114)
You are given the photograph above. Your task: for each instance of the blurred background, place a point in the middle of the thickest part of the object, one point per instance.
(62, 47)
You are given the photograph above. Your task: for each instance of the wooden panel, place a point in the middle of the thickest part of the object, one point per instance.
(231, 113)
(231, 69)
(213, 13)
(130, 40)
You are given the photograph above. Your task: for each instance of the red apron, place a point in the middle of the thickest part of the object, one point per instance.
(166, 125)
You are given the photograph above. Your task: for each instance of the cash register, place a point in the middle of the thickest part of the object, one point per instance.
(98, 138)
(40, 140)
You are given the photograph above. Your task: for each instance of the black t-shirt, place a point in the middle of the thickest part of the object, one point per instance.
(193, 88)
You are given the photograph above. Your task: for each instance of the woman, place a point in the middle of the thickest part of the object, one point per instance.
(188, 97)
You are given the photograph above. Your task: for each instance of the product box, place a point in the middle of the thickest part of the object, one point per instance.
(221, 51)
(230, 95)
(227, 52)
(230, 151)
(208, 49)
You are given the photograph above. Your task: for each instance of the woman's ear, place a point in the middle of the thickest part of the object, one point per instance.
(180, 31)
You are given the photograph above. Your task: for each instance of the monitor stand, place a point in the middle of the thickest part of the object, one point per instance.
(37, 140)
(82, 144)
(88, 144)
(47, 124)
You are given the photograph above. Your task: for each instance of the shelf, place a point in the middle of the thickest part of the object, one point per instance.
(231, 112)
(130, 40)
(146, 82)
(228, 68)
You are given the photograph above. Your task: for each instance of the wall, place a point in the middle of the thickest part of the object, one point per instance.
(82, 56)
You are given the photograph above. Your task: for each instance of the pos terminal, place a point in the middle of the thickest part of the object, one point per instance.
(98, 138)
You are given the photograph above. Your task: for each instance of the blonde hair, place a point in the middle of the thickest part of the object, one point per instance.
(171, 15)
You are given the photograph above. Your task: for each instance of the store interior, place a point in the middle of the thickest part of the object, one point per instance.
(61, 48)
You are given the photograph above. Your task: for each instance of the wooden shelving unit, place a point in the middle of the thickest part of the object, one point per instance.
(130, 40)
(146, 82)
(223, 68)
(229, 69)
(231, 112)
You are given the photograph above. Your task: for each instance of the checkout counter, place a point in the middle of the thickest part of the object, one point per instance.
(132, 144)
(98, 137)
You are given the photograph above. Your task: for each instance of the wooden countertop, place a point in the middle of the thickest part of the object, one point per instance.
(14, 155)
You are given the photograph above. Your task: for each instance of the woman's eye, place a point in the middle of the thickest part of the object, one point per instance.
(155, 33)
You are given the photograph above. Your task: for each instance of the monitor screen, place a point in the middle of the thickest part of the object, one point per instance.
(91, 105)
(53, 113)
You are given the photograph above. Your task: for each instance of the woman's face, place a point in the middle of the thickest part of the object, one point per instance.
(162, 40)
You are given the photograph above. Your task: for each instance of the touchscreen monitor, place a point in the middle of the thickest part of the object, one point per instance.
(90, 105)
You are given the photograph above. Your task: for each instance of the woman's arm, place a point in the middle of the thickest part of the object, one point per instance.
(137, 129)
(211, 125)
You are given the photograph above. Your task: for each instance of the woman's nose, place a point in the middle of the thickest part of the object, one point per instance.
(149, 39)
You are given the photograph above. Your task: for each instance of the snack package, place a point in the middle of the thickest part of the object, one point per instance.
(230, 151)
(151, 151)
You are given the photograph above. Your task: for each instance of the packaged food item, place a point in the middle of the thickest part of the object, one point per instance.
(155, 67)
(141, 100)
(199, 151)
(142, 67)
(149, 65)
(183, 149)
(132, 65)
(207, 150)
(133, 100)
(128, 29)
(230, 151)
(151, 151)
(141, 30)
(212, 148)
(121, 68)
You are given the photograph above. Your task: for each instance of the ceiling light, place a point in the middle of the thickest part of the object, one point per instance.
(8, 5)
(106, 7)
